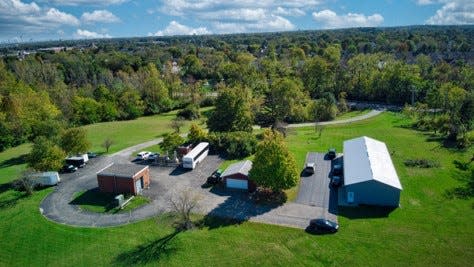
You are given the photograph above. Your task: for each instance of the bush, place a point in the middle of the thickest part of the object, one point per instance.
(421, 163)
(191, 112)
(24, 184)
(207, 102)
(233, 144)
(268, 196)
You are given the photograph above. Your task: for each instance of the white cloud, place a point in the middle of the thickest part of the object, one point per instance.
(103, 16)
(425, 2)
(241, 14)
(175, 28)
(294, 12)
(267, 24)
(329, 19)
(454, 12)
(85, 34)
(16, 16)
(84, 2)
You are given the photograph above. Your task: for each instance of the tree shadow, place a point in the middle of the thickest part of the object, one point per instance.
(148, 253)
(466, 190)
(179, 171)
(13, 161)
(365, 212)
(93, 197)
(5, 187)
(10, 201)
(237, 208)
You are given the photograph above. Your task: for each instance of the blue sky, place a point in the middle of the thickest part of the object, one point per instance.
(24, 20)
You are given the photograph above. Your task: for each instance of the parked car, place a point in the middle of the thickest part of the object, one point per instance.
(332, 153)
(337, 169)
(319, 226)
(143, 155)
(336, 181)
(310, 167)
(68, 168)
(92, 155)
(215, 177)
(153, 156)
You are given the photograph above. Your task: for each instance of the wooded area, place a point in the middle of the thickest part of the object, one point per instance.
(258, 78)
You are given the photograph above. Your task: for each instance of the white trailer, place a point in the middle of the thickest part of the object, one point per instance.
(196, 155)
(45, 178)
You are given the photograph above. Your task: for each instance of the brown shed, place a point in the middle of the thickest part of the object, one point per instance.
(236, 176)
(124, 179)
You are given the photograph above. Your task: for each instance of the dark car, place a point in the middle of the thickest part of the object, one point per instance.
(215, 177)
(319, 226)
(92, 155)
(332, 153)
(68, 168)
(336, 181)
(337, 169)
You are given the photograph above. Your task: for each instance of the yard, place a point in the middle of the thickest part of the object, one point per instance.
(430, 228)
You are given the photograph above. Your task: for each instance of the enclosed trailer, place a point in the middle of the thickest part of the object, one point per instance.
(45, 178)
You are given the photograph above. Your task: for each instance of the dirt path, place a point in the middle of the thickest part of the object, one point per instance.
(371, 114)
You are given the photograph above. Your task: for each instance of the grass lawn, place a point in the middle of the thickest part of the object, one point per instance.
(352, 114)
(430, 228)
(95, 201)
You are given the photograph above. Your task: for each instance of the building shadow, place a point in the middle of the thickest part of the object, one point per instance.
(93, 197)
(148, 253)
(333, 200)
(365, 212)
(237, 208)
(179, 171)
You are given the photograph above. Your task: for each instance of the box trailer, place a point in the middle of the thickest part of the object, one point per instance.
(46, 178)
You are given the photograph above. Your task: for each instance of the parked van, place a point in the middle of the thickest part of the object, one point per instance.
(85, 157)
(76, 161)
(45, 178)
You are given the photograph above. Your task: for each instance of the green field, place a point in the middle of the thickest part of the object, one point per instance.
(430, 228)
(96, 201)
(352, 114)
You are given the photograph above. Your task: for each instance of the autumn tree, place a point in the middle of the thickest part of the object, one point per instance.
(196, 134)
(274, 166)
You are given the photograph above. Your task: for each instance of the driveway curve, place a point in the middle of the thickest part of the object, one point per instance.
(56, 206)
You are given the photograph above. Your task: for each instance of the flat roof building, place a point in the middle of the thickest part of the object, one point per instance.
(124, 179)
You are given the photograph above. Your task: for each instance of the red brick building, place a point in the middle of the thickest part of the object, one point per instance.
(124, 179)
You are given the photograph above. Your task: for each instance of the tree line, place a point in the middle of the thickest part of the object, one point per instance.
(265, 79)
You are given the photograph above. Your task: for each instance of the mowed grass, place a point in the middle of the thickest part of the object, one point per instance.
(429, 229)
(96, 201)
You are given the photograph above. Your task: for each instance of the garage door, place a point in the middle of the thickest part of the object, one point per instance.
(237, 184)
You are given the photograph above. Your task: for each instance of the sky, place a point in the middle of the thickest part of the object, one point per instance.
(24, 21)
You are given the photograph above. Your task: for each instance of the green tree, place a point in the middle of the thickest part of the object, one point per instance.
(171, 142)
(45, 155)
(286, 101)
(86, 110)
(74, 141)
(232, 112)
(274, 166)
(196, 134)
(130, 104)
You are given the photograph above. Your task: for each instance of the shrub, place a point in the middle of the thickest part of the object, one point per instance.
(190, 112)
(233, 144)
(421, 163)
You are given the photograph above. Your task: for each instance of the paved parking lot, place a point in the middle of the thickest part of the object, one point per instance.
(315, 189)
(165, 181)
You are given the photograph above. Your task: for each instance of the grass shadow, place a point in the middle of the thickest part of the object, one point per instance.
(93, 197)
(148, 253)
(13, 161)
(365, 212)
(5, 187)
(9, 201)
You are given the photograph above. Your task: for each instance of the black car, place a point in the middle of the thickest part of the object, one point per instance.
(68, 168)
(215, 177)
(91, 155)
(332, 153)
(322, 226)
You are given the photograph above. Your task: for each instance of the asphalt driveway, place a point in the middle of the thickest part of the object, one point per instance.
(314, 189)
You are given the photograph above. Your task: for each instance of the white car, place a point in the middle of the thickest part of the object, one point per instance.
(143, 155)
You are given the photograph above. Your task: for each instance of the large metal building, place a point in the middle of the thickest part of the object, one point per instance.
(369, 175)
